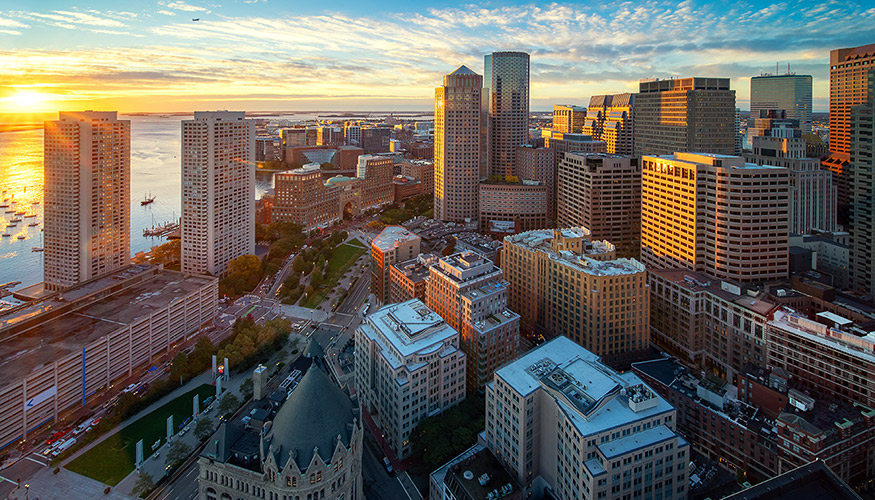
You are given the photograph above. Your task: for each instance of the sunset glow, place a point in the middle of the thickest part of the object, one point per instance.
(26, 102)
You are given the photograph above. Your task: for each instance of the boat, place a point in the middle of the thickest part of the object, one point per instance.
(21, 236)
(15, 220)
(4, 205)
(20, 212)
(37, 249)
(13, 224)
(147, 199)
(6, 235)
(29, 216)
(33, 224)
(10, 211)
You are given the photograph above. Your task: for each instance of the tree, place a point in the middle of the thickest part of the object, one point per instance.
(246, 389)
(203, 428)
(143, 486)
(177, 453)
(228, 404)
(245, 265)
(167, 253)
(179, 366)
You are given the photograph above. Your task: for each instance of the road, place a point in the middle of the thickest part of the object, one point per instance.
(184, 487)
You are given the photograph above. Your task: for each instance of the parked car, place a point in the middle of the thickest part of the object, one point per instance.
(388, 465)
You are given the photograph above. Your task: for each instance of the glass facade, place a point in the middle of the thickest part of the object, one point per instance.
(792, 93)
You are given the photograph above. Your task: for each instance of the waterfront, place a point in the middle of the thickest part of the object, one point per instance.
(155, 169)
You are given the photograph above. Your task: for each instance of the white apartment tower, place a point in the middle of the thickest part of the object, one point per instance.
(561, 421)
(457, 146)
(87, 197)
(408, 366)
(218, 190)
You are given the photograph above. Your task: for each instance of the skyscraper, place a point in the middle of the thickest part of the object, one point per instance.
(848, 69)
(688, 114)
(457, 146)
(609, 118)
(218, 190)
(568, 118)
(862, 212)
(715, 214)
(789, 92)
(87, 197)
(506, 90)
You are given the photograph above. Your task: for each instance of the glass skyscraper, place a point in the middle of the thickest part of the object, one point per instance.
(506, 90)
(792, 93)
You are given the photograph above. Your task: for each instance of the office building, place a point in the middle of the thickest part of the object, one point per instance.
(408, 366)
(468, 291)
(375, 174)
(609, 118)
(408, 279)
(707, 212)
(845, 353)
(562, 421)
(513, 207)
(393, 244)
(457, 146)
(537, 164)
(352, 133)
(218, 190)
(688, 114)
(848, 87)
(564, 283)
(790, 92)
(375, 139)
(714, 324)
(765, 424)
(602, 192)
(812, 194)
(561, 143)
(811, 480)
(343, 158)
(568, 118)
(301, 197)
(506, 92)
(421, 170)
(862, 211)
(404, 188)
(87, 197)
(63, 349)
(312, 448)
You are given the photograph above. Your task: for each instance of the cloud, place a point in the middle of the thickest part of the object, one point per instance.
(183, 6)
(577, 50)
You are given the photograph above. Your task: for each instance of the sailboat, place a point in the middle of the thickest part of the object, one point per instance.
(38, 249)
(147, 199)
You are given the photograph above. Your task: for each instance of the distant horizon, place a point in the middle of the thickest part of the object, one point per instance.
(178, 56)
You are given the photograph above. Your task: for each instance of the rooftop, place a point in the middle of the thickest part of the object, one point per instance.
(52, 329)
(481, 476)
(392, 236)
(417, 269)
(541, 240)
(848, 343)
(813, 481)
(593, 396)
(407, 328)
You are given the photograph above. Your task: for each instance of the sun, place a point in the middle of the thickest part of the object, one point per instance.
(27, 100)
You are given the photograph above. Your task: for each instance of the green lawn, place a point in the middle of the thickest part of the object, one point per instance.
(113, 459)
(344, 256)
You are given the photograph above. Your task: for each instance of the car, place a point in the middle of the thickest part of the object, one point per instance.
(56, 436)
(95, 421)
(47, 451)
(388, 465)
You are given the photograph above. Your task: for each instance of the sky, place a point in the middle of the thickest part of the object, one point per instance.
(292, 55)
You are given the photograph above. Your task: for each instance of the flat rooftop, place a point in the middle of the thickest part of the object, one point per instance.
(481, 474)
(417, 269)
(541, 240)
(563, 366)
(813, 481)
(391, 236)
(408, 327)
(59, 336)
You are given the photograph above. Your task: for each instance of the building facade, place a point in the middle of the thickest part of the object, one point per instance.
(87, 196)
(812, 194)
(537, 164)
(704, 212)
(568, 118)
(506, 92)
(457, 146)
(409, 278)
(789, 92)
(562, 422)
(393, 244)
(513, 207)
(62, 350)
(602, 192)
(610, 118)
(688, 114)
(469, 292)
(421, 170)
(861, 207)
(564, 283)
(408, 366)
(218, 190)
